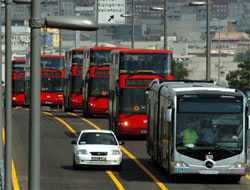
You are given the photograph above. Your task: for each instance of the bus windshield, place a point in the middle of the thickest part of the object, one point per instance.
(100, 57)
(133, 101)
(160, 63)
(18, 86)
(52, 84)
(99, 86)
(77, 58)
(18, 69)
(76, 84)
(52, 63)
(213, 124)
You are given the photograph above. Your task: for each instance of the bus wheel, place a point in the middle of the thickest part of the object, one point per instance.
(235, 178)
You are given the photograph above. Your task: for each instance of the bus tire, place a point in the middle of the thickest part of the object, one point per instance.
(235, 178)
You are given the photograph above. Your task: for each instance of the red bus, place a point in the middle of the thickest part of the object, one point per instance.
(73, 79)
(131, 71)
(18, 82)
(95, 80)
(52, 77)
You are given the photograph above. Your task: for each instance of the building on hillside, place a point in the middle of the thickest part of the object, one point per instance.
(230, 43)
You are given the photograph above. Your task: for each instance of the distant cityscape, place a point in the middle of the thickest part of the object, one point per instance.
(186, 30)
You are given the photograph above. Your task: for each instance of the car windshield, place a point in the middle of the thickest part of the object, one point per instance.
(97, 138)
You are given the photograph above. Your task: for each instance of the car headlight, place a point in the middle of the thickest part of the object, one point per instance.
(237, 165)
(82, 151)
(179, 164)
(115, 152)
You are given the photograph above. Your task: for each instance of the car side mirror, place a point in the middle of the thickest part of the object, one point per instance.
(121, 143)
(73, 142)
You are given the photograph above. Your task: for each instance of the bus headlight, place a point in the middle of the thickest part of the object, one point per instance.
(125, 123)
(14, 98)
(179, 164)
(237, 165)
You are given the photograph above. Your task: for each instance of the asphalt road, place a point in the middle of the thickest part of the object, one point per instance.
(58, 129)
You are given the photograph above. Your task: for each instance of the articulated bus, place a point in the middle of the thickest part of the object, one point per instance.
(197, 127)
(73, 79)
(131, 72)
(96, 79)
(18, 82)
(52, 77)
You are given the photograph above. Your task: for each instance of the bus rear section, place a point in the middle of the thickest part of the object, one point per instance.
(73, 79)
(18, 82)
(130, 74)
(197, 127)
(96, 80)
(52, 79)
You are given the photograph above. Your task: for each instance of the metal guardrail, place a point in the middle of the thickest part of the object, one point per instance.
(1, 175)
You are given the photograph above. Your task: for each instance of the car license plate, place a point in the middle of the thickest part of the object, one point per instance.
(98, 158)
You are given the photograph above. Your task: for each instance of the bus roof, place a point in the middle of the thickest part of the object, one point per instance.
(143, 51)
(47, 55)
(182, 87)
(107, 48)
(78, 49)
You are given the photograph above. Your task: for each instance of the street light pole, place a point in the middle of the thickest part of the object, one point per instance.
(61, 22)
(165, 24)
(219, 56)
(133, 25)
(96, 19)
(8, 96)
(35, 98)
(165, 9)
(208, 37)
(1, 108)
(208, 53)
(60, 32)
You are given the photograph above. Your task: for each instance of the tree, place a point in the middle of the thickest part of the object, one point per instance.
(240, 79)
(179, 71)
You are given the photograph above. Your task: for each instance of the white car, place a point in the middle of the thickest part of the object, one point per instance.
(97, 147)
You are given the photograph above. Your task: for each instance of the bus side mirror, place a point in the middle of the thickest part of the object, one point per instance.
(118, 92)
(169, 114)
(249, 122)
(111, 95)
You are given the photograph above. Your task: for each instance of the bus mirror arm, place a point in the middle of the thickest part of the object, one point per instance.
(169, 114)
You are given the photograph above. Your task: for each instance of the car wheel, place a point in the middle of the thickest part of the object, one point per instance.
(75, 166)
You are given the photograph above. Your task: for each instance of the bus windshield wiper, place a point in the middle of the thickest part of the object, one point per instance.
(223, 148)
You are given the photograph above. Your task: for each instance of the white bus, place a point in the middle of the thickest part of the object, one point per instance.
(218, 117)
